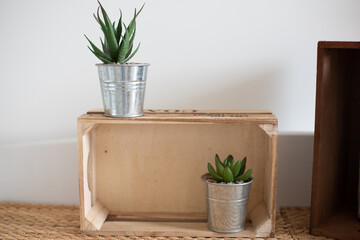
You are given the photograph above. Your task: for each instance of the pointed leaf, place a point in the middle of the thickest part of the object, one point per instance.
(228, 176)
(231, 161)
(225, 162)
(104, 60)
(124, 46)
(131, 43)
(245, 176)
(104, 47)
(243, 166)
(111, 38)
(97, 50)
(131, 26)
(213, 173)
(217, 157)
(133, 54)
(102, 24)
(236, 169)
(219, 166)
(126, 43)
(119, 28)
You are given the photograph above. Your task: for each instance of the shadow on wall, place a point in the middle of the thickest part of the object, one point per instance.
(48, 172)
(295, 161)
(42, 172)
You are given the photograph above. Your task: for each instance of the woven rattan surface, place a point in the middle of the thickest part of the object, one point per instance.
(37, 221)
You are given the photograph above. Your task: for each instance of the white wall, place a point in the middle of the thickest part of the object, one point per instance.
(233, 54)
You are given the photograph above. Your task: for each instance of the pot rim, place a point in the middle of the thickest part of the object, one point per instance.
(122, 64)
(224, 184)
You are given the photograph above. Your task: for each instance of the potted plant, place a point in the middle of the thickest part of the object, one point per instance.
(122, 84)
(228, 190)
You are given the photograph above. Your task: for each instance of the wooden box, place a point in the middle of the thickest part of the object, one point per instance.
(337, 144)
(141, 176)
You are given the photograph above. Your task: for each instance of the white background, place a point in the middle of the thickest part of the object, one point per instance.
(204, 54)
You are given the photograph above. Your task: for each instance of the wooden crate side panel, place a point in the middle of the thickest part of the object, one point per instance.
(92, 213)
(271, 131)
(134, 163)
(328, 137)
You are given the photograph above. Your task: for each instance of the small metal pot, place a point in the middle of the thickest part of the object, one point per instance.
(226, 205)
(123, 88)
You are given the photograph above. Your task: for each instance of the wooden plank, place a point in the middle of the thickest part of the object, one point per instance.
(157, 217)
(189, 111)
(341, 45)
(168, 229)
(97, 216)
(329, 136)
(149, 164)
(261, 219)
(260, 117)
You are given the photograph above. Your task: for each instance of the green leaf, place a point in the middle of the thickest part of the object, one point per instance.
(219, 166)
(110, 35)
(119, 28)
(243, 166)
(126, 43)
(102, 24)
(236, 169)
(104, 60)
(245, 176)
(212, 172)
(127, 59)
(225, 162)
(124, 47)
(228, 176)
(231, 161)
(228, 161)
(131, 44)
(217, 157)
(104, 47)
(98, 51)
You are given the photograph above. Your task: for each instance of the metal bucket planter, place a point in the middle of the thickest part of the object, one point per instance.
(226, 205)
(123, 88)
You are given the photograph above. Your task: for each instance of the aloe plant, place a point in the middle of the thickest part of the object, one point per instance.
(229, 170)
(117, 46)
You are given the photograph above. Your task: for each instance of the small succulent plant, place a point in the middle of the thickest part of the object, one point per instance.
(117, 46)
(229, 171)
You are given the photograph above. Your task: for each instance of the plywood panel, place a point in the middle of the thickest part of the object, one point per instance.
(157, 168)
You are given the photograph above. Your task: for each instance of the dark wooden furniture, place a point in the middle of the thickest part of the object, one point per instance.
(334, 205)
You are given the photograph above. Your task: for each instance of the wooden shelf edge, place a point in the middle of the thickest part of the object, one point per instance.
(190, 111)
(169, 229)
(338, 44)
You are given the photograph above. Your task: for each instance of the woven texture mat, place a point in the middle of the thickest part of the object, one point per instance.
(37, 221)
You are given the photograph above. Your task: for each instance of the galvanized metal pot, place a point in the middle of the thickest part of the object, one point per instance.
(226, 205)
(123, 88)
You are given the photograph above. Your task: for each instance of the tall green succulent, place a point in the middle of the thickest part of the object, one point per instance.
(229, 171)
(117, 46)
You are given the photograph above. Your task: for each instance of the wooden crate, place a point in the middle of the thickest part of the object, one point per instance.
(141, 176)
(337, 144)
